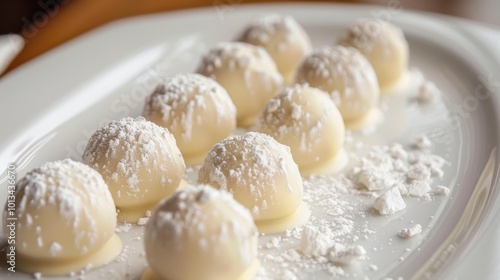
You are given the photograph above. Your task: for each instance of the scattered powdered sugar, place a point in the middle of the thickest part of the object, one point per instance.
(330, 241)
(418, 188)
(142, 221)
(422, 142)
(412, 172)
(345, 254)
(426, 91)
(178, 102)
(442, 190)
(410, 232)
(390, 202)
(122, 228)
(319, 242)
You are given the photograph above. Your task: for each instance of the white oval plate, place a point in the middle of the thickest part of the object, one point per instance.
(52, 105)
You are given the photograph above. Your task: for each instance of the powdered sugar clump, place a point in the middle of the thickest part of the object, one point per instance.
(390, 202)
(385, 167)
(410, 232)
(426, 91)
(442, 190)
(319, 242)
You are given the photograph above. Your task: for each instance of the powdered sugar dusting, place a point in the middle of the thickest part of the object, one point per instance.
(390, 202)
(393, 176)
(385, 167)
(410, 232)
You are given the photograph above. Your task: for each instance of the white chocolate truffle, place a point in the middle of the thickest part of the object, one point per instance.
(201, 233)
(283, 38)
(196, 110)
(139, 161)
(248, 74)
(384, 45)
(261, 175)
(307, 120)
(65, 219)
(346, 75)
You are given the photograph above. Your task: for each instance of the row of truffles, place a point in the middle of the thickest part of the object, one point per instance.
(67, 214)
(241, 84)
(298, 100)
(247, 184)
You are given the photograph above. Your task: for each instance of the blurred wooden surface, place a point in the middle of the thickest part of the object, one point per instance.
(52, 24)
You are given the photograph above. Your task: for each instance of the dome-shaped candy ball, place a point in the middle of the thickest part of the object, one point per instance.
(248, 74)
(196, 110)
(261, 175)
(345, 74)
(139, 161)
(307, 120)
(283, 38)
(66, 219)
(385, 46)
(200, 233)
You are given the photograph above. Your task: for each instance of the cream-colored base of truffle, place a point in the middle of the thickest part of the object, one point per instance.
(297, 219)
(333, 165)
(397, 86)
(370, 118)
(133, 214)
(248, 274)
(183, 183)
(247, 122)
(288, 79)
(195, 159)
(106, 254)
